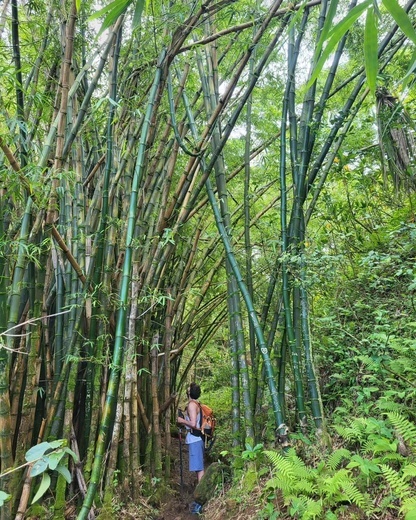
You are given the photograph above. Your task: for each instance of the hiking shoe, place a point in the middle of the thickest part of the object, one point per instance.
(195, 508)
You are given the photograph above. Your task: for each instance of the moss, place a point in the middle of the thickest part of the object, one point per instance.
(249, 480)
(37, 512)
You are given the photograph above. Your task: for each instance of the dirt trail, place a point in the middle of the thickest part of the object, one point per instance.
(177, 505)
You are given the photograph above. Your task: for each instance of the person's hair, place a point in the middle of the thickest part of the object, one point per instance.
(194, 391)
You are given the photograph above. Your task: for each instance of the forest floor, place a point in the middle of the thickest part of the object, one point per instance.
(178, 503)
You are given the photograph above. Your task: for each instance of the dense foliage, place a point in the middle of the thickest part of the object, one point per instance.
(211, 191)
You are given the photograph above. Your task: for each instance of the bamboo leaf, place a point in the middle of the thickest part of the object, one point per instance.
(138, 11)
(44, 486)
(113, 10)
(327, 26)
(370, 49)
(78, 5)
(65, 473)
(335, 35)
(401, 18)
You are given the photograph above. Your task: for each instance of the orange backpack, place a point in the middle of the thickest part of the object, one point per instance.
(208, 423)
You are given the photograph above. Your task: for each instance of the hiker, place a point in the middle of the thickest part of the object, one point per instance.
(192, 420)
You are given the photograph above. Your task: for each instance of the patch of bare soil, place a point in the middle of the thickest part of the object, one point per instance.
(178, 503)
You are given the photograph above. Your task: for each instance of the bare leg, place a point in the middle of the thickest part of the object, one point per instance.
(200, 474)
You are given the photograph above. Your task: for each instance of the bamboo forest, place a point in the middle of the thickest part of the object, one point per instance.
(219, 192)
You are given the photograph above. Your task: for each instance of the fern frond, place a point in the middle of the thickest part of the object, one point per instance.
(281, 464)
(389, 406)
(332, 485)
(306, 487)
(334, 460)
(280, 482)
(355, 496)
(314, 510)
(409, 471)
(389, 457)
(403, 426)
(301, 470)
(398, 485)
(299, 506)
(355, 430)
(409, 507)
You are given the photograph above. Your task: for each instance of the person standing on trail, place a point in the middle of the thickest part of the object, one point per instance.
(192, 421)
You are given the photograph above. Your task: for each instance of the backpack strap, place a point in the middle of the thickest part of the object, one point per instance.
(197, 432)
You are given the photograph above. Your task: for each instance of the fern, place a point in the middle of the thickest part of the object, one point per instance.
(398, 485)
(409, 471)
(281, 464)
(332, 484)
(304, 508)
(355, 496)
(409, 507)
(404, 427)
(386, 404)
(334, 460)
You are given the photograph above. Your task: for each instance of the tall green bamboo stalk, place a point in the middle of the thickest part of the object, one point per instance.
(112, 390)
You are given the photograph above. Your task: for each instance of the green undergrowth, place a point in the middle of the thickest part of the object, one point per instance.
(369, 473)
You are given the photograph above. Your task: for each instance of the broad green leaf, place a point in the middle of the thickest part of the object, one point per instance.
(72, 453)
(35, 452)
(410, 515)
(65, 473)
(54, 458)
(56, 444)
(335, 35)
(39, 467)
(3, 497)
(401, 18)
(78, 5)
(44, 486)
(371, 49)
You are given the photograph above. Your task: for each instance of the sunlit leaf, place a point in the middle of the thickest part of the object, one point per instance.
(401, 18)
(113, 11)
(78, 5)
(327, 25)
(370, 49)
(335, 35)
(44, 486)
